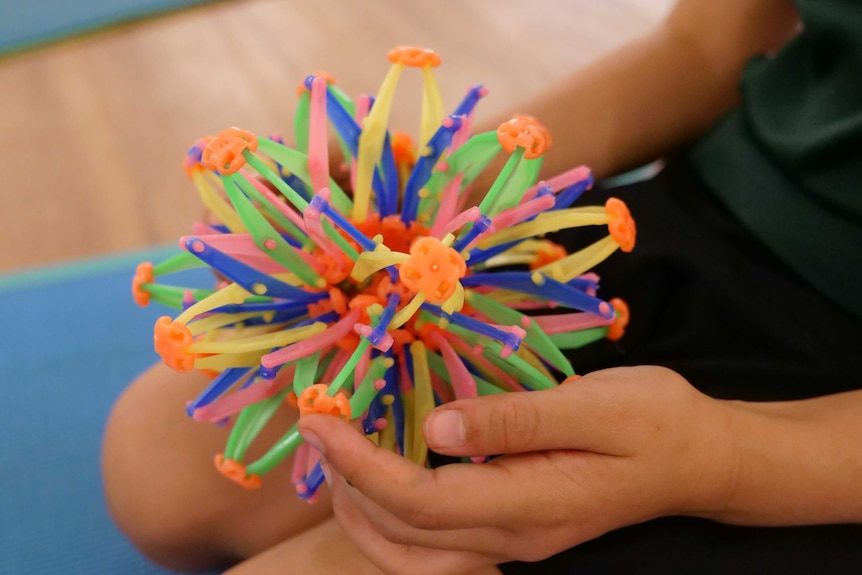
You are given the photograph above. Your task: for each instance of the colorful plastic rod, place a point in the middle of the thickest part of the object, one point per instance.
(380, 302)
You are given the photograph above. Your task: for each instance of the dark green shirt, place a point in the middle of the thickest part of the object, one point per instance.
(788, 161)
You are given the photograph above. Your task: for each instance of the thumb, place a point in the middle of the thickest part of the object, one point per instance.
(571, 416)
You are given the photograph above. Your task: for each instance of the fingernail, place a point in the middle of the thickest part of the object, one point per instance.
(445, 429)
(327, 471)
(313, 441)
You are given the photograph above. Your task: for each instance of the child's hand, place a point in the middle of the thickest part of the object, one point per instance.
(614, 448)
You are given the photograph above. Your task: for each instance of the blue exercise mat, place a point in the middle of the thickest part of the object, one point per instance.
(72, 339)
(28, 23)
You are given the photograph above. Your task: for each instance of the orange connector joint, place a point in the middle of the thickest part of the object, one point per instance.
(518, 133)
(618, 328)
(224, 153)
(621, 225)
(433, 269)
(403, 149)
(143, 275)
(236, 472)
(414, 56)
(171, 340)
(362, 302)
(533, 121)
(314, 399)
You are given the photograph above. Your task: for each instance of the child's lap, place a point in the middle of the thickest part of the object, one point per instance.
(709, 302)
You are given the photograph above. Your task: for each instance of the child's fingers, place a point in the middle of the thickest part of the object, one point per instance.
(451, 497)
(582, 415)
(395, 557)
(395, 530)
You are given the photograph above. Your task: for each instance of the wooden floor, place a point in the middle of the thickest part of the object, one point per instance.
(93, 130)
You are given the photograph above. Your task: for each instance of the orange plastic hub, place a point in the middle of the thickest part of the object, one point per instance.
(524, 132)
(396, 235)
(618, 328)
(433, 269)
(236, 472)
(362, 302)
(314, 399)
(171, 340)
(224, 153)
(414, 56)
(533, 121)
(143, 275)
(335, 270)
(403, 149)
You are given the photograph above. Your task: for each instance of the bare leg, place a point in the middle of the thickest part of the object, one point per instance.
(165, 494)
(324, 549)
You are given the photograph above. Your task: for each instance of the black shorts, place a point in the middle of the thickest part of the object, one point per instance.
(710, 302)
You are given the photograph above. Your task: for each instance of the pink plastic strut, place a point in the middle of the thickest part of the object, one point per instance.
(559, 182)
(462, 381)
(470, 215)
(312, 344)
(318, 149)
(234, 403)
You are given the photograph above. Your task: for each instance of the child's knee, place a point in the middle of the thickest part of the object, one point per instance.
(154, 510)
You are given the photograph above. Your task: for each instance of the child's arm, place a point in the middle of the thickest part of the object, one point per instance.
(798, 462)
(662, 90)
